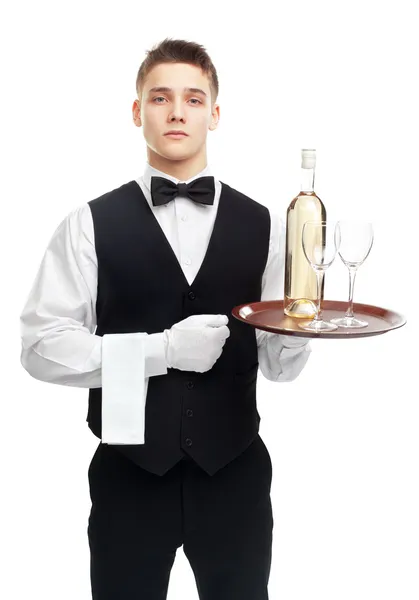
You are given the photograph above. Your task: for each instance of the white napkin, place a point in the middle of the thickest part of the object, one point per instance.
(124, 388)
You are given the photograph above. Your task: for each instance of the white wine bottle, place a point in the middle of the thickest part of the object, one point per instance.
(300, 282)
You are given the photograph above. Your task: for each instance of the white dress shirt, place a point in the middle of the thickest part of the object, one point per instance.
(58, 321)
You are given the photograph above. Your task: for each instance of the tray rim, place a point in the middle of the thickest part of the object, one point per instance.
(336, 334)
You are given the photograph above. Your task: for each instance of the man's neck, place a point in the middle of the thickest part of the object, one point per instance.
(180, 169)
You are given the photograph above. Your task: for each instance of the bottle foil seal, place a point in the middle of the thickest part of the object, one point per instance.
(308, 159)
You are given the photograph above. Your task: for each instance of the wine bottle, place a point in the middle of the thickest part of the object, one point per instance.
(300, 283)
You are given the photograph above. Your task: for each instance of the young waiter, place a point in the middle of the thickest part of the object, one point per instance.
(157, 265)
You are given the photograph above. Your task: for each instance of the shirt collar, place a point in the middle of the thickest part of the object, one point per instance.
(149, 171)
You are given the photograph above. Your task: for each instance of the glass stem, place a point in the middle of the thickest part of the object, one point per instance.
(319, 274)
(352, 274)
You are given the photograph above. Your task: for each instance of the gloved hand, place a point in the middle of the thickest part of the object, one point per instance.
(196, 343)
(292, 341)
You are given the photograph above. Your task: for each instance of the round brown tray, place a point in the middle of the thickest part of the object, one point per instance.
(270, 316)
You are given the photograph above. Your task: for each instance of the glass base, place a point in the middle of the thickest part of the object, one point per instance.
(317, 326)
(349, 322)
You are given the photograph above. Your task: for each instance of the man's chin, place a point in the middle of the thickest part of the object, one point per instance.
(174, 153)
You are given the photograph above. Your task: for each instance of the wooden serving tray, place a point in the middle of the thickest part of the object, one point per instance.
(270, 316)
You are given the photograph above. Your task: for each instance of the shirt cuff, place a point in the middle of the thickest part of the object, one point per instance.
(155, 355)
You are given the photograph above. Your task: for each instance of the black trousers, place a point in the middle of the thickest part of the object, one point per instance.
(138, 520)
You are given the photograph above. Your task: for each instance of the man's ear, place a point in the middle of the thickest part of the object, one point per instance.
(136, 114)
(215, 117)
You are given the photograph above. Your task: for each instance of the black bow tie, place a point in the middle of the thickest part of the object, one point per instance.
(201, 190)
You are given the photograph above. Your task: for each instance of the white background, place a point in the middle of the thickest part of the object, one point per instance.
(343, 437)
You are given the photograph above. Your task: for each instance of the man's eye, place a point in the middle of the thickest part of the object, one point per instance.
(161, 98)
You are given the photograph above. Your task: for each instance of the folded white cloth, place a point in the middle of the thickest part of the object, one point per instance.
(123, 409)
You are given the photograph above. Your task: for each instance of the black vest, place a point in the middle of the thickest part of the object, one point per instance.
(212, 416)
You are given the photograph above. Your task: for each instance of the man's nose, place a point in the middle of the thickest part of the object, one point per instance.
(178, 111)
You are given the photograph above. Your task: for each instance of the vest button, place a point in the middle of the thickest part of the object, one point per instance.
(190, 385)
(189, 412)
(191, 295)
(188, 442)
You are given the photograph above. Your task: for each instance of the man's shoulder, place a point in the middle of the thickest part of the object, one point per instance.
(244, 198)
(115, 194)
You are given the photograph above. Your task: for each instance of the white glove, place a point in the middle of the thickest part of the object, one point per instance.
(196, 343)
(293, 341)
(278, 341)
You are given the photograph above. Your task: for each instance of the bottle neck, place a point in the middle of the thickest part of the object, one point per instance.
(307, 180)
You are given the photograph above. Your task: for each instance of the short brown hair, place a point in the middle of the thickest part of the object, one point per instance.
(175, 51)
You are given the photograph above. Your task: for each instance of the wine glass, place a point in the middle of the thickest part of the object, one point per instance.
(355, 240)
(319, 246)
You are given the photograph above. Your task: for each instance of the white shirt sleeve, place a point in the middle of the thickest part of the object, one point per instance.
(57, 327)
(281, 357)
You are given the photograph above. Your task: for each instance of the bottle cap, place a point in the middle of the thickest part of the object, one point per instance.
(308, 159)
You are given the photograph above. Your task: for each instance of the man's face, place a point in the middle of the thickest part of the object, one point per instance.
(176, 108)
